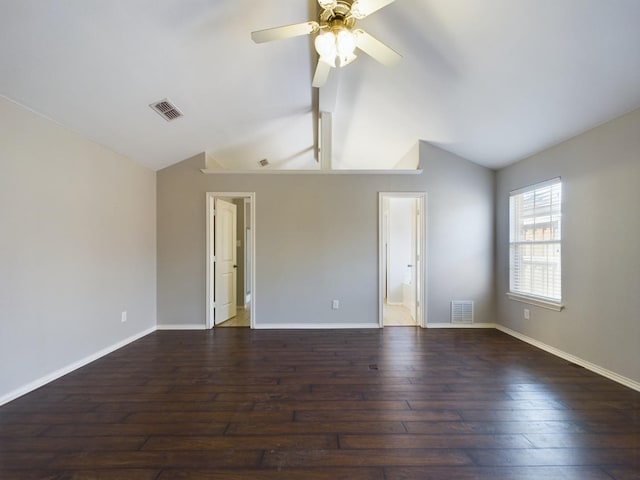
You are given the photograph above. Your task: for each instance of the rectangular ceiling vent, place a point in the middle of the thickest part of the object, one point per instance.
(462, 311)
(166, 109)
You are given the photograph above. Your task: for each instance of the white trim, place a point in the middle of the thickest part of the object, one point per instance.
(461, 325)
(246, 298)
(422, 220)
(315, 326)
(210, 203)
(534, 298)
(192, 326)
(572, 358)
(528, 188)
(548, 304)
(61, 372)
(210, 209)
(311, 172)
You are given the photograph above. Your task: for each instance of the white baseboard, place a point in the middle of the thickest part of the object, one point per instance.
(314, 326)
(19, 392)
(196, 326)
(627, 382)
(461, 325)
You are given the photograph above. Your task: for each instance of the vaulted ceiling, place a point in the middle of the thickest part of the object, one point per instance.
(492, 81)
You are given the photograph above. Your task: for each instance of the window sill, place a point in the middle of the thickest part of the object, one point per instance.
(539, 302)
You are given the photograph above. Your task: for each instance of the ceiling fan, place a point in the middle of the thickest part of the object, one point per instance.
(337, 38)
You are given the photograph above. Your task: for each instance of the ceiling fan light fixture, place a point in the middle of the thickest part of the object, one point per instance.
(345, 43)
(331, 61)
(338, 44)
(325, 44)
(346, 60)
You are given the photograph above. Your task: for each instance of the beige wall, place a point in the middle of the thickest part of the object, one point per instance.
(600, 173)
(77, 247)
(317, 240)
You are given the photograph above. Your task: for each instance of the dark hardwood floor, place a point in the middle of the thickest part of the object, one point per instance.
(392, 404)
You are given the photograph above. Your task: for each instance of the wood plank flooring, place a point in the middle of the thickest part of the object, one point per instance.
(392, 404)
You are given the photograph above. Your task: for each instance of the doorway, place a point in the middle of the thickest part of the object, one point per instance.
(230, 282)
(402, 247)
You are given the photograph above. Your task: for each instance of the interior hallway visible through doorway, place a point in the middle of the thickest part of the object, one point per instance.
(398, 316)
(401, 223)
(241, 319)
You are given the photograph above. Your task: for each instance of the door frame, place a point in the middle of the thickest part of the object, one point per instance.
(421, 321)
(210, 230)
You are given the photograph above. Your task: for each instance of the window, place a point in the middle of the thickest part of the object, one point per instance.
(535, 234)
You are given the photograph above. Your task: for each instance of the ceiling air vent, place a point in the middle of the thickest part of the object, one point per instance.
(166, 109)
(462, 311)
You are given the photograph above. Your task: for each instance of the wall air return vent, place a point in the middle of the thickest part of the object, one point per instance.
(166, 109)
(462, 312)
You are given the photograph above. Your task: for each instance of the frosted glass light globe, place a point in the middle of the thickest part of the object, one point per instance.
(325, 44)
(346, 43)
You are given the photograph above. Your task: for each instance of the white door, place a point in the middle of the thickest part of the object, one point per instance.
(225, 261)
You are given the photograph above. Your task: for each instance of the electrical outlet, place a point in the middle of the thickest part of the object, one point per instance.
(526, 314)
(335, 305)
(123, 317)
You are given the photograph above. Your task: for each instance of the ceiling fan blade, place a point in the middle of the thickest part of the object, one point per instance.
(376, 49)
(364, 8)
(287, 31)
(322, 74)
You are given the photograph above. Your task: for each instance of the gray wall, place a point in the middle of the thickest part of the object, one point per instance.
(600, 173)
(317, 240)
(77, 247)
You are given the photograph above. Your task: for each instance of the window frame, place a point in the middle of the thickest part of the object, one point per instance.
(528, 296)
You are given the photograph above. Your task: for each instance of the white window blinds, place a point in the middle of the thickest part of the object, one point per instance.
(535, 215)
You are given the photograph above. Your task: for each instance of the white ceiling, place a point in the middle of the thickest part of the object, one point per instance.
(492, 81)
